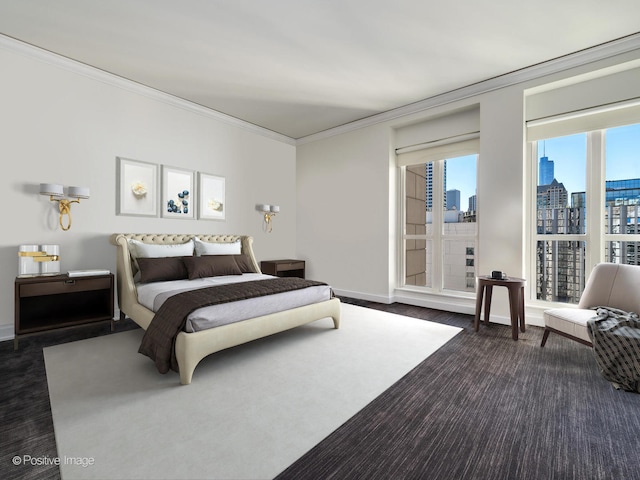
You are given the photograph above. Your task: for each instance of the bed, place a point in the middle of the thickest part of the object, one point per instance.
(200, 341)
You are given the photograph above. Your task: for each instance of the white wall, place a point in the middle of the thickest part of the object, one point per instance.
(343, 211)
(351, 241)
(338, 195)
(60, 126)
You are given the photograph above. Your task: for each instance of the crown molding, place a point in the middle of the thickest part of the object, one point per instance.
(577, 59)
(557, 65)
(36, 53)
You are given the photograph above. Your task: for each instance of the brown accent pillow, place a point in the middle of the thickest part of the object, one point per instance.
(211, 266)
(162, 269)
(244, 263)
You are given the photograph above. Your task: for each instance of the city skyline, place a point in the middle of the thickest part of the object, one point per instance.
(569, 155)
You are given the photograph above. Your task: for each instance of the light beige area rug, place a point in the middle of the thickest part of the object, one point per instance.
(250, 411)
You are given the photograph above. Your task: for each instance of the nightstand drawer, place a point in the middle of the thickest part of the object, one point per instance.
(283, 268)
(70, 285)
(294, 265)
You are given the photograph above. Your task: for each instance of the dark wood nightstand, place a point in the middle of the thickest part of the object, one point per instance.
(283, 268)
(59, 301)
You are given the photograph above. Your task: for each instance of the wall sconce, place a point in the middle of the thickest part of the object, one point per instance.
(56, 194)
(269, 212)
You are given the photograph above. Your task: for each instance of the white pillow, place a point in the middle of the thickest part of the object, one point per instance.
(149, 250)
(227, 248)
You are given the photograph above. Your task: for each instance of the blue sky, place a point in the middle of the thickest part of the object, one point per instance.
(569, 156)
(461, 175)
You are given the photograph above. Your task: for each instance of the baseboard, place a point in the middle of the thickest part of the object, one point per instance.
(533, 315)
(363, 296)
(7, 332)
(448, 304)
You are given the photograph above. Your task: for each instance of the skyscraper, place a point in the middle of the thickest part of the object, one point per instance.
(472, 203)
(452, 200)
(429, 192)
(545, 171)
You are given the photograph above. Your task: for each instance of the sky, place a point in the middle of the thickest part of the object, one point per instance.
(569, 156)
(461, 175)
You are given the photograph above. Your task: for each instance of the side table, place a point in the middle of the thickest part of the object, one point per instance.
(516, 300)
(58, 301)
(283, 268)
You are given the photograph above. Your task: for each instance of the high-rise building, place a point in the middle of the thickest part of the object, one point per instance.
(560, 266)
(452, 200)
(429, 186)
(545, 171)
(472, 203)
(552, 195)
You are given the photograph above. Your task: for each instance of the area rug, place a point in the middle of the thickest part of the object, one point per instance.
(250, 411)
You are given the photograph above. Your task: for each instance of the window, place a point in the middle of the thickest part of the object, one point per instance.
(587, 202)
(440, 223)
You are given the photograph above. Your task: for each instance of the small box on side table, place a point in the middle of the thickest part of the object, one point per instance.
(283, 268)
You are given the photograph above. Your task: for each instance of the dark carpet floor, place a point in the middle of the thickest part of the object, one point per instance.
(487, 407)
(481, 407)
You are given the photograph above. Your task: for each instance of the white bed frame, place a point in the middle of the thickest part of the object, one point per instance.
(193, 347)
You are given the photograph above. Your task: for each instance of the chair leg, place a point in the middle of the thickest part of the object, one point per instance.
(545, 335)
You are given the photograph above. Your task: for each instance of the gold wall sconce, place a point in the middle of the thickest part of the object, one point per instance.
(56, 194)
(269, 211)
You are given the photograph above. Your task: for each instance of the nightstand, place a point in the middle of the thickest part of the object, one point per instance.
(283, 268)
(59, 301)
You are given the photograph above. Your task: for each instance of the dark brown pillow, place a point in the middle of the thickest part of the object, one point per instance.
(244, 263)
(162, 269)
(211, 266)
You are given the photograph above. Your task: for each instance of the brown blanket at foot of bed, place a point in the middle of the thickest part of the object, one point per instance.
(159, 340)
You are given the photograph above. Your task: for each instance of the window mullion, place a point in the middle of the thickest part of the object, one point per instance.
(437, 225)
(595, 198)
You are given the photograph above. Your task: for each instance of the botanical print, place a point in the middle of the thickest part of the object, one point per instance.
(177, 192)
(212, 197)
(137, 188)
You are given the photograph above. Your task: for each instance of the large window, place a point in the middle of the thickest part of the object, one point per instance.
(440, 224)
(587, 202)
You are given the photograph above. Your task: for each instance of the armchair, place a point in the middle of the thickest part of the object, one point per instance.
(609, 285)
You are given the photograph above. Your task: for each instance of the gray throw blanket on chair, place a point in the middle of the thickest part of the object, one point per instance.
(615, 335)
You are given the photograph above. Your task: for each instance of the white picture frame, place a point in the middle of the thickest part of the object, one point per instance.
(178, 193)
(137, 188)
(211, 197)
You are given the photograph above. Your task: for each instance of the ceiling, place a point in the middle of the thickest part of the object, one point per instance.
(299, 67)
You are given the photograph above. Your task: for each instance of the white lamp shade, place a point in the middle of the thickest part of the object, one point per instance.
(79, 192)
(52, 189)
(275, 208)
(265, 208)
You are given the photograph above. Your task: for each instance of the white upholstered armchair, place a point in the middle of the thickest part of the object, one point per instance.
(609, 285)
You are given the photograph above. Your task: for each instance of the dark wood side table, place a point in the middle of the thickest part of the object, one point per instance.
(516, 300)
(59, 301)
(283, 268)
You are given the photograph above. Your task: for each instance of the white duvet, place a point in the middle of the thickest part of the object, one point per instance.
(153, 295)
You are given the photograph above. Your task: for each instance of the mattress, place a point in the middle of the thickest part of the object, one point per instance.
(153, 295)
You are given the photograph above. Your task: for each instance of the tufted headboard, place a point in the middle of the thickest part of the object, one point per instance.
(127, 295)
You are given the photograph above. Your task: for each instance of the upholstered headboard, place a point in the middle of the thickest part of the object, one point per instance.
(127, 295)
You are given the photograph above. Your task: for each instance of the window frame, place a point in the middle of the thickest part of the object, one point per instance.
(595, 236)
(438, 237)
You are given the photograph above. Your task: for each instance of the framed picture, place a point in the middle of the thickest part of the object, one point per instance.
(178, 193)
(211, 201)
(137, 188)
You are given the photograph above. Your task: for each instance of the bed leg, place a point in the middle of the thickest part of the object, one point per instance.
(185, 377)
